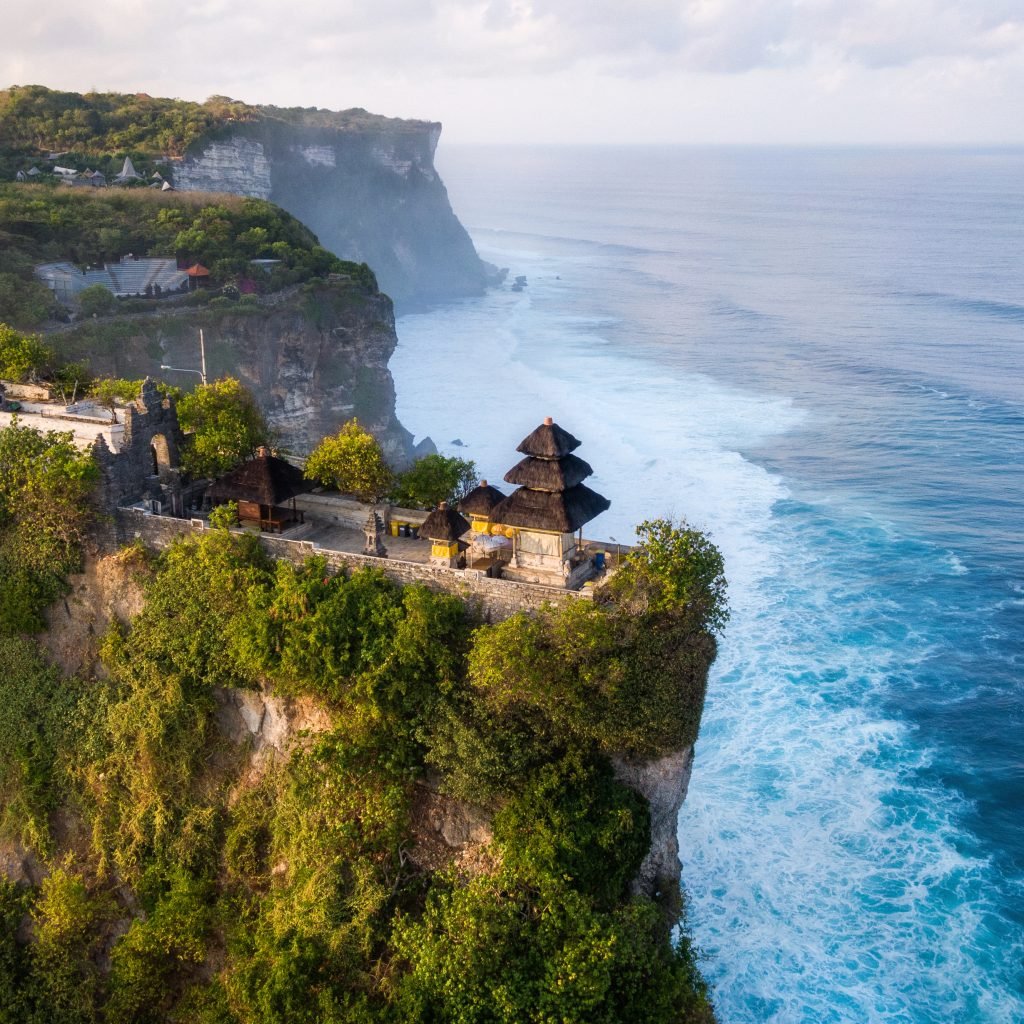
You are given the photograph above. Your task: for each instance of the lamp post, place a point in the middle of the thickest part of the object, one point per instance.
(202, 361)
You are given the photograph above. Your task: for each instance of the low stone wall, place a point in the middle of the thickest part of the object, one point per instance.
(347, 512)
(25, 392)
(491, 599)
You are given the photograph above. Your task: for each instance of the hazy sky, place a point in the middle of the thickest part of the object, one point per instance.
(785, 71)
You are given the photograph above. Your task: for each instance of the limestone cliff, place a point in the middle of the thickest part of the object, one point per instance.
(314, 357)
(267, 727)
(369, 190)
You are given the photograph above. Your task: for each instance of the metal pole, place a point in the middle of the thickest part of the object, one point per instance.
(202, 356)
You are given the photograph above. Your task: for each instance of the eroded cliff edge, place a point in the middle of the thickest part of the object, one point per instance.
(370, 192)
(314, 356)
(269, 727)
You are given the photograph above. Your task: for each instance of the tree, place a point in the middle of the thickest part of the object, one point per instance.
(70, 379)
(111, 391)
(351, 461)
(433, 479)
(45, 484)
(673, 567)
(96, 300)
(22, 356)
(226, 425)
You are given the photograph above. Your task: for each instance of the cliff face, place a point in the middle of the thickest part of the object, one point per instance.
(313, 358)
(370, 193)
(268, 727)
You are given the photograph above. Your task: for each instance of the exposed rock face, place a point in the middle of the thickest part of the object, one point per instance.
(371, 194)
(271, 724)
(109, 588)
(313, 360)
(663, 783)
(240, 165)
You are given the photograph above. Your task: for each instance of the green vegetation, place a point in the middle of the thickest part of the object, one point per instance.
(23, 357)
(299, 893)
(46, 223)
(226, 427)
(433, 479)
(100, 129)
(33, 117)
(96, 301)
(352, 462)
(45, 487)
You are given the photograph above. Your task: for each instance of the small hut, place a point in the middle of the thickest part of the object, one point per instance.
(262, 486)
(488, 542)
(128, 173)
(198, 276)
(443, 528)
(550, 504)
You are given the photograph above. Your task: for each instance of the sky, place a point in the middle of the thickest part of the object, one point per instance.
(562, 71)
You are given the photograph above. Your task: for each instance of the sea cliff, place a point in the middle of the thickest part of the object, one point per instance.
(314, 356)
(371, 194)
(366, 184)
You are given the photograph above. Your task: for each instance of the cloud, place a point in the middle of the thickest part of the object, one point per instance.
(476, 38)
(534, 62)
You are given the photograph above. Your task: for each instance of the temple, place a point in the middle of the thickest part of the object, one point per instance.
(548, 508)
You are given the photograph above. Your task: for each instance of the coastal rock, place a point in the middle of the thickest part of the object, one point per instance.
(663, 783)
(239, 165)
(268, 723)
(371, 193)
(314, 358)
(19, 865)
(450, 832)
(110, 588)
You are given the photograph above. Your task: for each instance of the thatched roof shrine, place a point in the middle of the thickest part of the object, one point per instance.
(548, 441)
(559, 512)
(481, 500)
(444, 524)
(551, 495)
(266, 480)
(549, 474)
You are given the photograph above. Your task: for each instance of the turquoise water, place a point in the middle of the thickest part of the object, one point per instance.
(818, 356)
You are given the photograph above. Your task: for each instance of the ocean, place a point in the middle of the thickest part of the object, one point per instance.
(817, 356)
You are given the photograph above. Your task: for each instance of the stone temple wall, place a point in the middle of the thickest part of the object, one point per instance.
(146, 463)
(491, 599)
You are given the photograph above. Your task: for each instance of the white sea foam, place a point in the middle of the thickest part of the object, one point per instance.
(827, 883)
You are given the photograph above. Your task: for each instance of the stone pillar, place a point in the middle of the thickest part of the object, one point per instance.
(374, 531)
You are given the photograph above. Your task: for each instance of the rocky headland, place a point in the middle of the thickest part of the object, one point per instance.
(370, 192)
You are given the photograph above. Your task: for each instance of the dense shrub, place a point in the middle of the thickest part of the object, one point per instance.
(45, 493)
(40, 223)
(225, 427)
(303, 891)
(38, 722)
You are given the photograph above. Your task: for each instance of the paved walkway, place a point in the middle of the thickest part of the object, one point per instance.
(341, 538)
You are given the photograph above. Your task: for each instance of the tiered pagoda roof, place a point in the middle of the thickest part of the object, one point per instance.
(551, 493)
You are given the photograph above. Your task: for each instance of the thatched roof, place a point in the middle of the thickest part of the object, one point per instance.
(549, 474)
(444, 523)
(481, 500)
(564, 512)
(548, 441)
(265, 479)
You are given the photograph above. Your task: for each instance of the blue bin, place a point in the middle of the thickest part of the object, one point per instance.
(599, 560)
